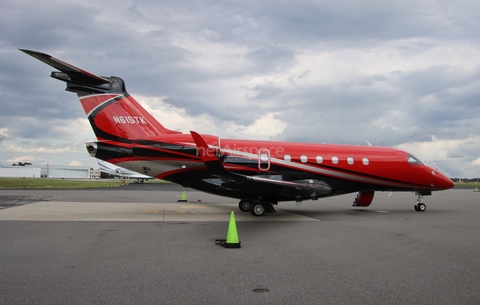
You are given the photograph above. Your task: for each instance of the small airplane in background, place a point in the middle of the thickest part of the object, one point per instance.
(258, 173)
(109, 168)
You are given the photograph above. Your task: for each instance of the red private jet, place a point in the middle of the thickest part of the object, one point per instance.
(259, 173)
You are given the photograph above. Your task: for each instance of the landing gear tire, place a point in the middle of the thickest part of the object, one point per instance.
(244, 205)
(420, 207)
(257, 209)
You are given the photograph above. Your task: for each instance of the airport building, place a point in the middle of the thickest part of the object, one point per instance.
(95, 174)
(65, 171)
(49, 171)
(20, 172)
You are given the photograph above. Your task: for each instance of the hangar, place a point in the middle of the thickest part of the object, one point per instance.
(46, 171)
(20, 172)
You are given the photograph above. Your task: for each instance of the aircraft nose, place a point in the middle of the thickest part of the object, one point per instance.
(441, 181)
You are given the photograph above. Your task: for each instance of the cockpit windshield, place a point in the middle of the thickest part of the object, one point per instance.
(413, 160)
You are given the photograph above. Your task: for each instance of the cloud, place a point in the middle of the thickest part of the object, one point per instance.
(457, 157)
(343, 72)
(76, 163)
(4, 135)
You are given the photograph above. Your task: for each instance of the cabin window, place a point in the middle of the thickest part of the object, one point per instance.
(287, 158)
(335, 160)
(350, 160)
(319, 159)
(412, 160)
(264, 157)
(365, 161)
(303, 158)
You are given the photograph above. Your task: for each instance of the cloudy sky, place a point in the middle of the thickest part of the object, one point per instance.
(395, 73)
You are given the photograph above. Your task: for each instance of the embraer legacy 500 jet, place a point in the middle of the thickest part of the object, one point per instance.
(259, 173)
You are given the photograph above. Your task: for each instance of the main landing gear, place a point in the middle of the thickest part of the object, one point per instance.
(256, 207)
(420, 206)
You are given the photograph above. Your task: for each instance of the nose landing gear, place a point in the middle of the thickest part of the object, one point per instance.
(420, 206)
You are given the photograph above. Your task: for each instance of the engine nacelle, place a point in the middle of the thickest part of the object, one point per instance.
(363, 199)
(106, 151)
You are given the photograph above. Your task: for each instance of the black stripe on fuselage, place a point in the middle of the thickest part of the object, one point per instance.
(101, 133)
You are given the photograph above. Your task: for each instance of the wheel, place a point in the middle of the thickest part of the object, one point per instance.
(244, 205)
(420, 207)
(257, 209)
(415, 207)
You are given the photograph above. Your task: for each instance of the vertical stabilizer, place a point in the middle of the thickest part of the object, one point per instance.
(112, 112)
(115, 116)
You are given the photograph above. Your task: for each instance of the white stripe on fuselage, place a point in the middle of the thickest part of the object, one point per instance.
(317, 170)
(327, 172)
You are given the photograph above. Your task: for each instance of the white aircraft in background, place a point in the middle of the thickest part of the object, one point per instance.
(111, 169)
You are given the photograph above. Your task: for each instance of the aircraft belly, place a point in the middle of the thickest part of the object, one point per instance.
(291, 190)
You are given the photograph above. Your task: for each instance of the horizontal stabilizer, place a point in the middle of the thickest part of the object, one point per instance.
(70, 72)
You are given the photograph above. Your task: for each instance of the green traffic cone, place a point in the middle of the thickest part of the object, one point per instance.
(184, 197)
(476, 189)
(232, 236)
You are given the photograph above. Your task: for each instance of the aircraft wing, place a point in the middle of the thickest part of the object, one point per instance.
(216, 168)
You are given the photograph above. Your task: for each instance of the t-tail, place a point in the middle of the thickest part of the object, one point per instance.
(112, 112)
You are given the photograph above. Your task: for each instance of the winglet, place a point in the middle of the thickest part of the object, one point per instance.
(70, 72)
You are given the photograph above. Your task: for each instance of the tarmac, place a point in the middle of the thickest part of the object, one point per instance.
(137, 244)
